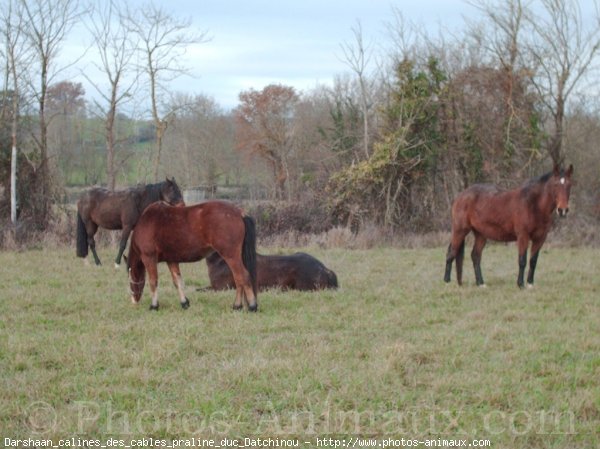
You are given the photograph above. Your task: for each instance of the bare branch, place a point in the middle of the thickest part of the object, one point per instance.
(564, 52)
(163, 41)
(358, 56)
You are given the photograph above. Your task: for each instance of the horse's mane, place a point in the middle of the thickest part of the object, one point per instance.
(154, 189)
(534, 185)
(146, 193)
(542, 179)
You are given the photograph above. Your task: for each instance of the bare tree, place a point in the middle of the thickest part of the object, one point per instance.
(357, 56)
(202, 138)
(116, 53)
(563, 50)
(503, 40)
(65, 105)
(503, 67)
(46, 24)
(163, 40)
(15, 52)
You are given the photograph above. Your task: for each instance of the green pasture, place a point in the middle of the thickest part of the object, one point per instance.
(394, 352)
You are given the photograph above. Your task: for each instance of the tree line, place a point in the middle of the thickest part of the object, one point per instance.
(414, 120)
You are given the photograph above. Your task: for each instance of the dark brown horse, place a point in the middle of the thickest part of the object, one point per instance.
(187, 234)
(521, 215)
(100, 207)
(299, 271)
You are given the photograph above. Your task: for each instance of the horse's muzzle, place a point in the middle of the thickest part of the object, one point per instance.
(562, 212)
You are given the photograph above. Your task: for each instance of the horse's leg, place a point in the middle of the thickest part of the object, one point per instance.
(455, 251)
(536, 245)
(478, 246)
(250, 296)
(152, 269)
(238, 304)
(179, 284)
(460, 257)
(124, 236)
(449, 259)
(243, 284)
(522, 243)
(91, 229)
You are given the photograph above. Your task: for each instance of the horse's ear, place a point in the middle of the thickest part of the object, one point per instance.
(570, 171)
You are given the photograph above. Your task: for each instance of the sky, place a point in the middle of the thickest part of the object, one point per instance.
(253, 43)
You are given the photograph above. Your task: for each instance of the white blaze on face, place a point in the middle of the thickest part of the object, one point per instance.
(562, 180)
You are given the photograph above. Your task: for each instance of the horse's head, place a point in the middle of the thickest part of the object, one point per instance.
(170, 193)
(137, 274)
(561, 186)
(137, 280)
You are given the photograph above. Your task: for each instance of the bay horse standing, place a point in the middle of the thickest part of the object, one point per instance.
(187, 234)
(99, 207)
(522, 215)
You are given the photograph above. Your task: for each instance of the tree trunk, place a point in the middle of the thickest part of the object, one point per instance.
(42, 202)
(365, 111)
(281, 182)
(110, 150)
(555, 147)
(13, 156)
(280, 176)
(160, 130)
(13, 181)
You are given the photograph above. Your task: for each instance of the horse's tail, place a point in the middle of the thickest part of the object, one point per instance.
(82, 237)
(249, 250)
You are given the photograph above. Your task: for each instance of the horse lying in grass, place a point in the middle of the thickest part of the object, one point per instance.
(187, 234)
(523, 214)
(99, 207)
(299, 271)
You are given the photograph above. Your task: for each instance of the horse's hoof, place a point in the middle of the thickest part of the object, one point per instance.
(253, 308)
(482, 286)
(529, 286)
(185, 305)
(134, 302)
(117, 266)
(237, 307)
(153, 307)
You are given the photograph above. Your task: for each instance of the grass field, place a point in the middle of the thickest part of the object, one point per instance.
(394, 352)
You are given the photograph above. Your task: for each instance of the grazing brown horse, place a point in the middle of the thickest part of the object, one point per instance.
(299, 271)
(521, 214)
(187, 234)
(100, 207)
